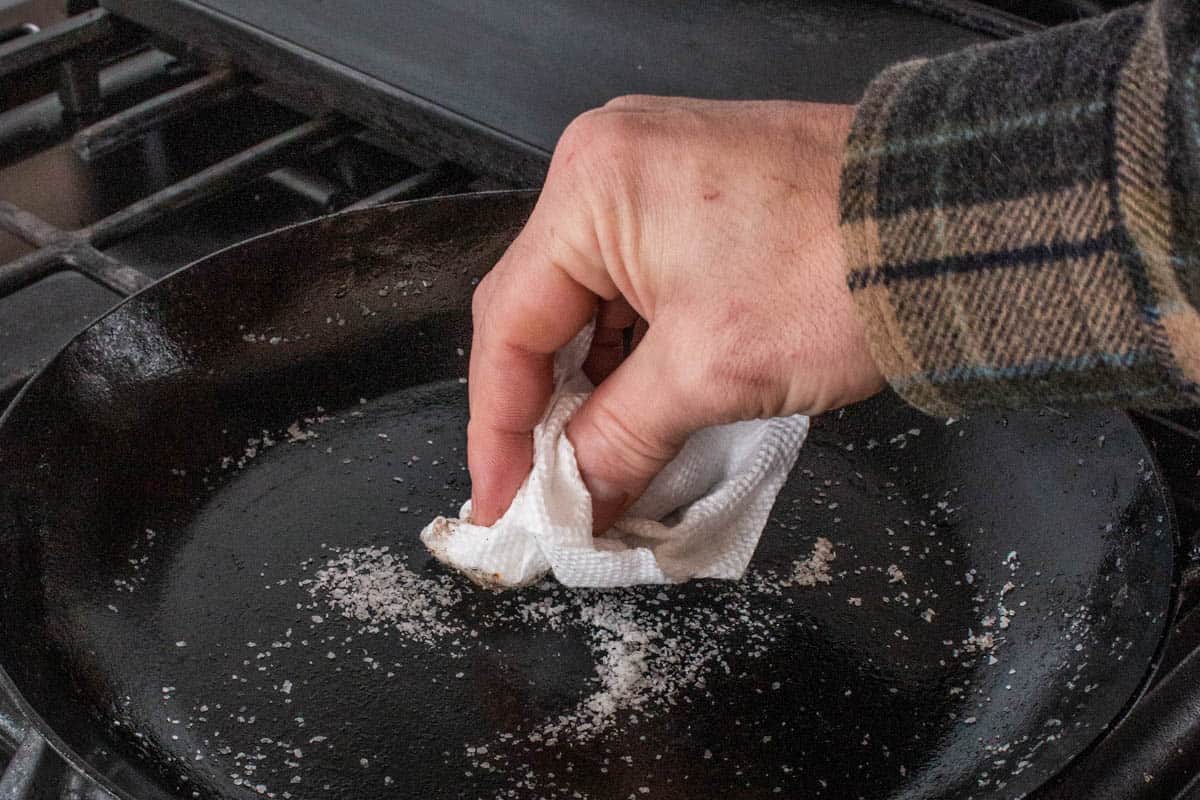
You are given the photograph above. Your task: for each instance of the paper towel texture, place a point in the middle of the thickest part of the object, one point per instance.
(700, 518)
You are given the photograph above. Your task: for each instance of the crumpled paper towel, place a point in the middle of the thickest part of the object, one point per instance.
(700, 518)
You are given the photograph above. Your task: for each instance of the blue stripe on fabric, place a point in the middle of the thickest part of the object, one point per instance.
(1036, 255)
(1032, 369)
(1035, 119)
(1170, 307)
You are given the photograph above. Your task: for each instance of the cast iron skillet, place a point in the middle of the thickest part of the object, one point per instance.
(157, 612)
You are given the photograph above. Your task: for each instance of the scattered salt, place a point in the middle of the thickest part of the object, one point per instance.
(815, 569)
(370, 585)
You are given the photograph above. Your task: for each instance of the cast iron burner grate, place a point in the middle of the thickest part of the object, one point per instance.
(83, 250)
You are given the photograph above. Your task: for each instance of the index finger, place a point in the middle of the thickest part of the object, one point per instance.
(527, 308)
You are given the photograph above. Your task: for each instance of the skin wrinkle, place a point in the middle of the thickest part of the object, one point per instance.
(620, 249)
(638, 450)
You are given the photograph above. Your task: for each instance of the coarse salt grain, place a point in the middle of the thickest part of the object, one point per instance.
(372, 586)
(815, 569)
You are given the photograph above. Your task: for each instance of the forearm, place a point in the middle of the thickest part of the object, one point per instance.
(1021, 220)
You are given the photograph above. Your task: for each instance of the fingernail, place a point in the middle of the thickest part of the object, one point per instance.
(603, 491)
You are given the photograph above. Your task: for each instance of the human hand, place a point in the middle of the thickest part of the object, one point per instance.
(714, 222)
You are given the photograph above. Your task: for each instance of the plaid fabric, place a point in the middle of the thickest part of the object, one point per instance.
(1022, 219)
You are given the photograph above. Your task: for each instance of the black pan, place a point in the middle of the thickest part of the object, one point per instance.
(159, 617)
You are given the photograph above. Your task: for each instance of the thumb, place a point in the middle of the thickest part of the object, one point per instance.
(629, 429)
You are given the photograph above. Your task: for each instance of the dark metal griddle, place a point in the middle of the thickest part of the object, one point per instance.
(139, 424)
(495, 83)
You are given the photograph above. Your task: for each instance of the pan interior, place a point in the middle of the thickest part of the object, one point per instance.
(935, 609)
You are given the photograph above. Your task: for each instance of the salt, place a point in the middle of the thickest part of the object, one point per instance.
(370, 585)
(815, 569)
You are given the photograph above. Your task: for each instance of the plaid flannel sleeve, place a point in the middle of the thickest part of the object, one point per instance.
(1022, 219)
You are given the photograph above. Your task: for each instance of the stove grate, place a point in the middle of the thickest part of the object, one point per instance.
(56, 43)
(122, 128)
(80, 250)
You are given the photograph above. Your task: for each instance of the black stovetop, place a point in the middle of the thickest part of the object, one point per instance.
(410, 99)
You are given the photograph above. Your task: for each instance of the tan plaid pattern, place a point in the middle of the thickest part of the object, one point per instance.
(889, 345)
(1004, 287)
(1142, 193)
(928, 235)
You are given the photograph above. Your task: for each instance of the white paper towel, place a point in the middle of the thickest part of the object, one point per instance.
(700, 518)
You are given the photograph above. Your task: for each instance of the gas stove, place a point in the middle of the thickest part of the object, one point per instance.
(139, 135)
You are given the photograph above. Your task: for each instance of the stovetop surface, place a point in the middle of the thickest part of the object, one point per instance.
(507, 78)
(529, 68)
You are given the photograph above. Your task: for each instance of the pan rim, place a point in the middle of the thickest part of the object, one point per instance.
(1173, 606)
(37, 725)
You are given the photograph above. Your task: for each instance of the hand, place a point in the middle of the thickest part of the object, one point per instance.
(714, 222)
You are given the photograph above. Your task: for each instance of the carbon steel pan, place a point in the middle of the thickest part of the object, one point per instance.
(937, 609)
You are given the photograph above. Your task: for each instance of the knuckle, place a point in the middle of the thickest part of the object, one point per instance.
(599, 139)
(480, 298)
(627, 448)
(629, 101)
(580, 135)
